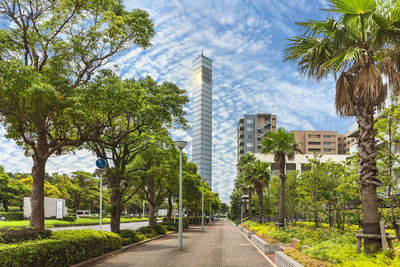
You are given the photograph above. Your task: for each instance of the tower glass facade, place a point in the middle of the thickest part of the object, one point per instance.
(202, 116)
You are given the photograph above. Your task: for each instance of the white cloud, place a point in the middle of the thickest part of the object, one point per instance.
(245, 44)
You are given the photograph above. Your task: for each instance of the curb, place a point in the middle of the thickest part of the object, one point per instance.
(266, 257)
(112, 253)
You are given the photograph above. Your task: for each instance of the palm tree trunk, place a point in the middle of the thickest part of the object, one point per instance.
(259, 190)
(250, 211)
(368, 176)
(282, 210)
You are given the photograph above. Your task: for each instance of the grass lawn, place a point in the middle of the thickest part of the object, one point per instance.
(52, 223)
(333, 247)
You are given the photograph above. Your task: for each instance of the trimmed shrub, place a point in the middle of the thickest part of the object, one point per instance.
(69, 218)
(130, 234)
(171, 227)
(151, 231)
(64, 248)
(13, 216)
(17, 234)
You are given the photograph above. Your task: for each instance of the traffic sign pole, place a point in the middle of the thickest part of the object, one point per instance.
(101, 165)
(101, 198)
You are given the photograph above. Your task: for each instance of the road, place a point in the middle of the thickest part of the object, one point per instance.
(105, 227)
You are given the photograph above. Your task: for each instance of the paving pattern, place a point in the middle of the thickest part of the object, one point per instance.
(220, 245)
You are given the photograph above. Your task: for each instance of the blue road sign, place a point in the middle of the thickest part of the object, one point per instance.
(174, 195)
(101, 163)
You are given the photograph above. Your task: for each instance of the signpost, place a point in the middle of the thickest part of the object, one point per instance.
(101, 164)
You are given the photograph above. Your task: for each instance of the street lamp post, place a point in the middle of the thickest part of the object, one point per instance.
(202, 204)
(180, 145)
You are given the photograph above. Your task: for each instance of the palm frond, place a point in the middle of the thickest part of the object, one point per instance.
(354, 7)
(368, 85)
(344, 95)
(389, 69)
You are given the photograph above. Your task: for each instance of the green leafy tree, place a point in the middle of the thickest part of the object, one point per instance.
(311, 187)
(6, 194)
(153, 164)
(130, 115)
(357, 37)
(387, 126)
(283, 145)
(49, 51)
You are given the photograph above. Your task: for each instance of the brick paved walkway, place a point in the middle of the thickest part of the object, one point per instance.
(220, 245)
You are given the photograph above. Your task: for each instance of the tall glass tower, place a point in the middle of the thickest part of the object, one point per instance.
(202, 116)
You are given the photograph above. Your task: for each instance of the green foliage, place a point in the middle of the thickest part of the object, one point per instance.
(330, 245)
(64, 248)
(69, 218)
(13, 216)
(12, 235)
(132, 235)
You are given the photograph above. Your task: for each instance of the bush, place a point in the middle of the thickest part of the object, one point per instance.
(64, 248)
(171, 227)
(151, 231)
(13, 216)
(69, 218)
(130, 234)
(12, 235)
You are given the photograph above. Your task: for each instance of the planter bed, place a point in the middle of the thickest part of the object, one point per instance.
(283, 260)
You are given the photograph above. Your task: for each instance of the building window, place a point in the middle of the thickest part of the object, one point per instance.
(327, 143)
(249, 144)
(249, 136)
(249, 121)
(328, 136)
(327, 150)
(314, 143)
(314, 136)
(314, 149)
(249, 129)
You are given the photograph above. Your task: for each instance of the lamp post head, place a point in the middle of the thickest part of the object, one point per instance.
(181, 144)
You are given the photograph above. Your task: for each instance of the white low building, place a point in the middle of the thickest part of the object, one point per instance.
(53, 207)
(299, 161)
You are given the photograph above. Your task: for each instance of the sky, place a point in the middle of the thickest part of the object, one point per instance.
(244, 39)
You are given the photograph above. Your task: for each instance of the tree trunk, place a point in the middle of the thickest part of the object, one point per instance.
(170, 208)
(282, 176)
(368, 176)
(151, 213)
(250, 210)
(260, 200)
(115, 204)
(5, 205)
(37, 197)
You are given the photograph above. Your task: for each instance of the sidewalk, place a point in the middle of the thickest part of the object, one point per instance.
(220, 245)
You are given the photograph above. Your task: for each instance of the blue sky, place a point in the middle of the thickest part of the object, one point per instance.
(245, 40)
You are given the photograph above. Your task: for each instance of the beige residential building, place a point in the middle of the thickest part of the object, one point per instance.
(322, 142)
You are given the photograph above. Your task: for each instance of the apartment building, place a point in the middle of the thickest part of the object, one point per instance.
(322, 142)
(252, 130)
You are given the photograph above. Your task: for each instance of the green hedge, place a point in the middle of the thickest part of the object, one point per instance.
(132, 236)
(13, 216)
(64, 248)
(69, 218)
(12, 235)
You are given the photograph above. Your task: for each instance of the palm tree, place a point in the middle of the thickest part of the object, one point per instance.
(254, 175)
(283, 145)
(360, 43)
(244, 169)
(261, 178)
